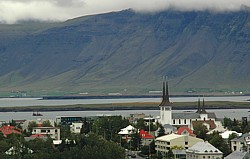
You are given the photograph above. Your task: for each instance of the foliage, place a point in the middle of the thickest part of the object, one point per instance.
(161, 131)
(31, 125)
(46, 123)
(200, 131)
(217, 141)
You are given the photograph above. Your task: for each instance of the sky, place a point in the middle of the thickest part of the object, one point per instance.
(12, 11)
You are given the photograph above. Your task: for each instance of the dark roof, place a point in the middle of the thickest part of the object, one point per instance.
(236, 155)
(185, 115)
(241, 138)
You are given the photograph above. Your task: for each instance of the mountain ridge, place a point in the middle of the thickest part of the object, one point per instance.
(128, 51)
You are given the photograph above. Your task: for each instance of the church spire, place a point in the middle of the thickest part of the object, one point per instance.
(203, 111)
(165, 95)
(199, 106)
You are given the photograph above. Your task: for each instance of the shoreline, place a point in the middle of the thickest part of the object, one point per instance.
(126, 106)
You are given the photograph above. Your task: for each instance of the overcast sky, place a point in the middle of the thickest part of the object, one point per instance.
(12, 11)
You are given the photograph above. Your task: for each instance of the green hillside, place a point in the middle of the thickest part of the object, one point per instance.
(128, 52)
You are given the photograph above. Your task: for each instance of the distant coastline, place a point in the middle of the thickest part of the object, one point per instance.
(127, 106)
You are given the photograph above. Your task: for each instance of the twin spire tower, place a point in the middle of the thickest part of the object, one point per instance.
(165, 95)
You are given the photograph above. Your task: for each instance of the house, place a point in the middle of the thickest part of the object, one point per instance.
(227, 133)
(7, 130)
(68, 120)
(203, 150)
(53, 132)
(167, 142)
(126, 132)
(38, 121)
(76, 128)
(238, 155)
(146, 138)
(134, 117)
(241, 143)
(185, 131)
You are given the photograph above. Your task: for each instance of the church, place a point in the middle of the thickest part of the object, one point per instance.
(190, 118)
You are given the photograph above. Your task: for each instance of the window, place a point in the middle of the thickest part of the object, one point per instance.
(43, 131)
(186, 143)
(185, 121)
(179, 121)
(174, 121)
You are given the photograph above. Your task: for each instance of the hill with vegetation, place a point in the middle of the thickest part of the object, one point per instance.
(128, 52)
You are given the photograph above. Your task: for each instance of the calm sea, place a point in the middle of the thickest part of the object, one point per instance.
(8, 102)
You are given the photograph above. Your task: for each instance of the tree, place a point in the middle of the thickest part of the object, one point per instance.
(161, 131)
(46, 123)
(31, 125)
(217, 141)
(200, 131)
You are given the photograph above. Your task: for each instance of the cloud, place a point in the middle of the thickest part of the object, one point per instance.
(12, 11)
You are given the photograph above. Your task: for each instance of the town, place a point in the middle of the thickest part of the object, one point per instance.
(182, 135)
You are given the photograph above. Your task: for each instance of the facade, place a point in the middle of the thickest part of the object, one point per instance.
(67, 120)
(127, 132)
(183, 118)
(203, 150)
(53, 132)
(76, 128)
(166, 142)
(241, 143)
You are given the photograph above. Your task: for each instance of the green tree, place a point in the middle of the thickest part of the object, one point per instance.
(200, 131)
(46, 123)
(31, 125)
(217, 141)
(161, 131)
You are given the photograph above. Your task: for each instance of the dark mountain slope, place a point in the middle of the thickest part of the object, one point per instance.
(127, 50)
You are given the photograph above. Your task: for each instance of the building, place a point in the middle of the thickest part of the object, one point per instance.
(185, 131)
(68, 120)
(53, 132)
(203, 150)
(187, 118)
(127, 132)
(38, 121)
(165, 143)
(76, 128)
(238, 155)
(241, 143)
(146, 138)
(227, 133)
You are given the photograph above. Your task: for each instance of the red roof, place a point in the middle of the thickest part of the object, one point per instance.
(184, 128)
(37, 135)
(39, 125)
(6, 130)
(210, 122)
(145, 135)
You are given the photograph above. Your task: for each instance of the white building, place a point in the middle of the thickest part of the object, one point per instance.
(53, 132)
(76, 128)
(167, 116)
(203, 150)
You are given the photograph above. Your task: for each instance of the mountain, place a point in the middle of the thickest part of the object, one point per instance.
(128, 52)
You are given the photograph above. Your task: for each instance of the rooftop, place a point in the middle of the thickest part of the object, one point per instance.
(204, 147)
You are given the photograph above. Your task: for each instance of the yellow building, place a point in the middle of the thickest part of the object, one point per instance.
(166, 142)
